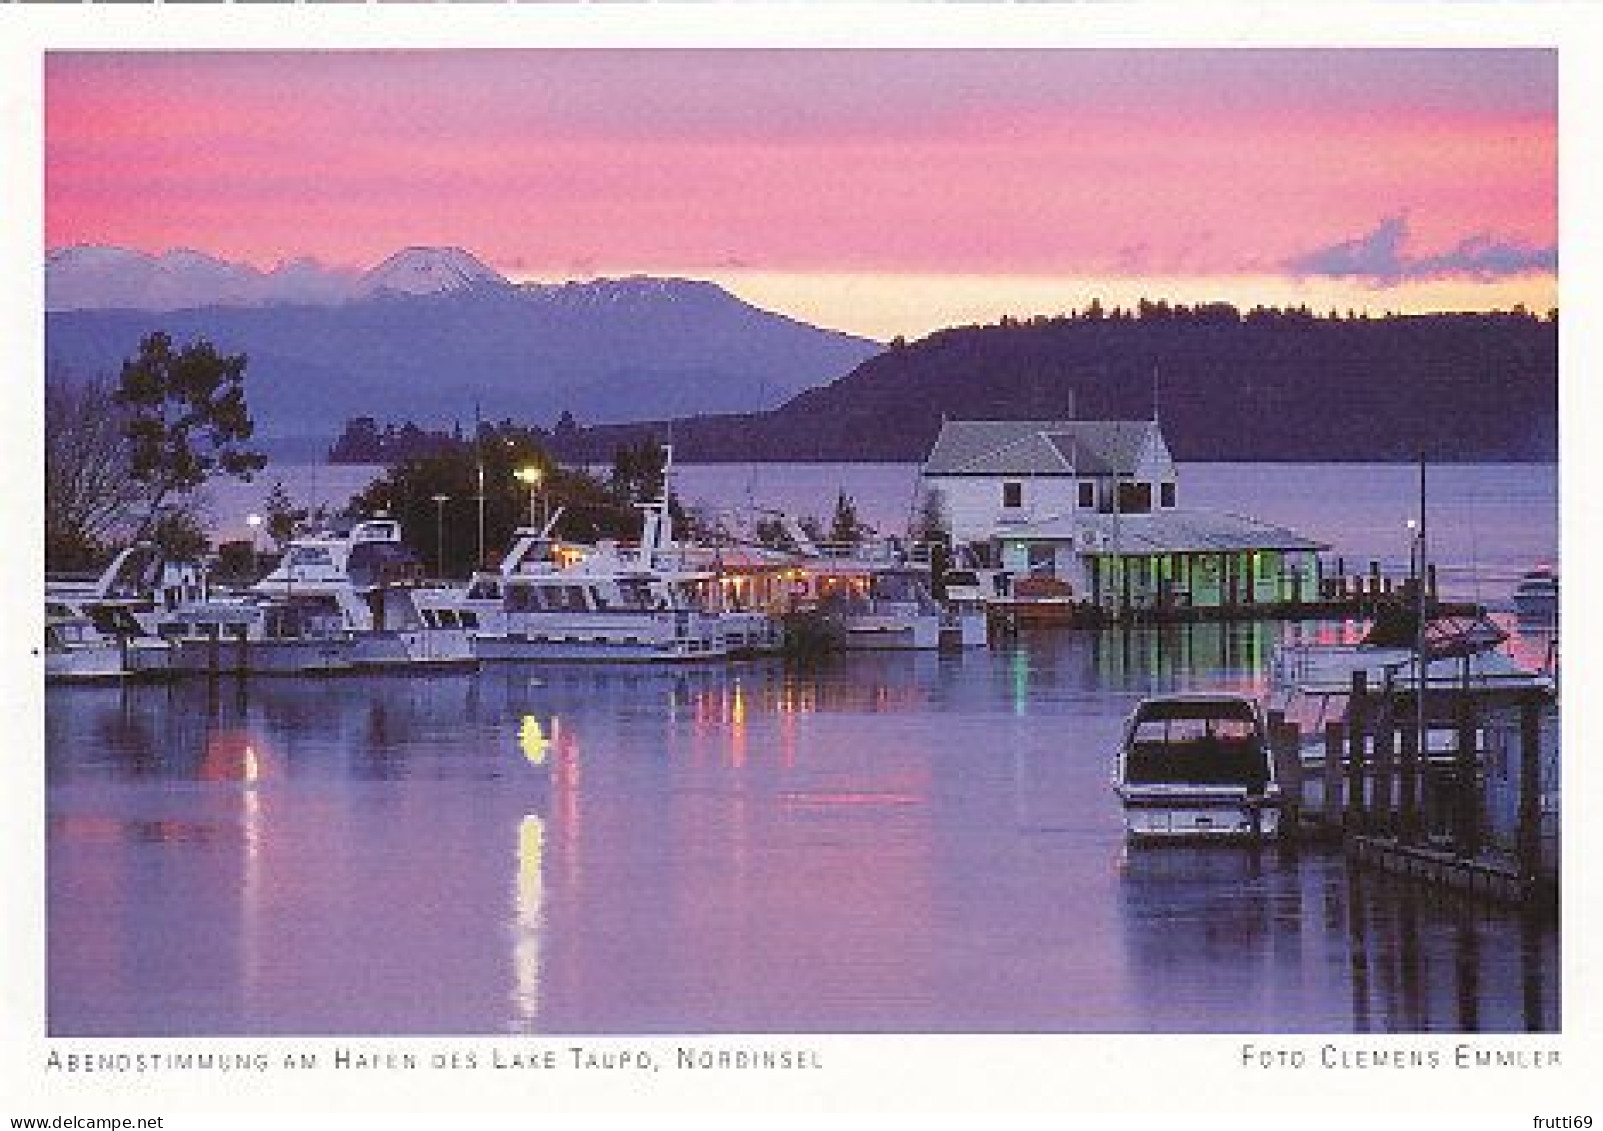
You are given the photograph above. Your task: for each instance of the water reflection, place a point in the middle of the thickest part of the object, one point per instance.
(528, 923)
(879, 843)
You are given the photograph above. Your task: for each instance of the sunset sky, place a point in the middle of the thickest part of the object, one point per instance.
(878, 191)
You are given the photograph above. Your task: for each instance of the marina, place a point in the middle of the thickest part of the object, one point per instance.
(818, 794)
(751, 847)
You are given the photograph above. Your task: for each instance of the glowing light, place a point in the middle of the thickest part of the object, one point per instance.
(533, 741)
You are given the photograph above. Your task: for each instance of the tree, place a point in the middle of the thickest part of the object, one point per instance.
(406, 492)
(283, 516)
(179, 534)
(846, 526)
(639, 470)
(187, 417)
(90, 492)
(930, 523)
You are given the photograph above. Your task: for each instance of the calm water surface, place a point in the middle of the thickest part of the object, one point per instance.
(891, 842)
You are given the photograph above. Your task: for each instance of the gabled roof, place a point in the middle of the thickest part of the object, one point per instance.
(1037, 447)
(1103, 447)
(1162, 532)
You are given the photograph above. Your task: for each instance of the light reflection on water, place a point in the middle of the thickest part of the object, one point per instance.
(889, 842)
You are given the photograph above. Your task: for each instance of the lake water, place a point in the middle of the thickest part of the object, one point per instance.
(1488, 523)
(885, 843)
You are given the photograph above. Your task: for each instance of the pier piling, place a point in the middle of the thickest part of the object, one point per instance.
(1530, 799)
(1383, 815)
(1409, 788)
(1358, 711)
(1334, 743)
(1285, 748)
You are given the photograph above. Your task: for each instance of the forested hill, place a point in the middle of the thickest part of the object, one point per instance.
(1267, 385)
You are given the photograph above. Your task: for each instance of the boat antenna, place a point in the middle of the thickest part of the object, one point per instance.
(1419, 642)
(478, 449)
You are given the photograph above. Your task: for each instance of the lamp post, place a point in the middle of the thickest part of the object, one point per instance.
(254, 521)
(531, 477)
(439, 533)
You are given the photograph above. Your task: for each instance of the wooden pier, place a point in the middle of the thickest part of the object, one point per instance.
(1480, 816)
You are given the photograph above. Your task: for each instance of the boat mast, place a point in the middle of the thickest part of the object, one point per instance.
(1419, 640)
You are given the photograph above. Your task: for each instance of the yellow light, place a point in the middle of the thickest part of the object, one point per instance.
(532, 740)
(530, 475)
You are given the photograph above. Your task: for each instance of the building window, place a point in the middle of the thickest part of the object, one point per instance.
(1012, 495)
(1166, 494)
(1135, 498)
(1087, 495)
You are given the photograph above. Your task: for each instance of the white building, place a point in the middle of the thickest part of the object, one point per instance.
(1096, 504)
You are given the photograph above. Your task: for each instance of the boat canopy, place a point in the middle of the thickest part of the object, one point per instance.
(1197, 708)
(1396, 626)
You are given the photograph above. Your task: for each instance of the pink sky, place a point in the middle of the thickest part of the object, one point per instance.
(1104, 167)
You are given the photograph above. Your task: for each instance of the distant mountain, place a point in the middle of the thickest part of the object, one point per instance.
(432, 334)
(427, 271)
(114, 278)
(1265, 386)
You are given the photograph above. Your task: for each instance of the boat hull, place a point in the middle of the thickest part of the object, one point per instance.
(1198, 816)
(414, 648)
(592, 647)
(95, 664)
(891, 634)
(261, 657)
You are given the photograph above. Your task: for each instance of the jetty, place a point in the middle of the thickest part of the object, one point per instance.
(1461, 791)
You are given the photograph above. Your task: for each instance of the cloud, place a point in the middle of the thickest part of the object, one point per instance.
(1381, 259)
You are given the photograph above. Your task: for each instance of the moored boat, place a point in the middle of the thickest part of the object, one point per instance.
(1197, 766)
(256, 635)
(363, 573)
(1536, 596)
(554, 601)
(76, 651)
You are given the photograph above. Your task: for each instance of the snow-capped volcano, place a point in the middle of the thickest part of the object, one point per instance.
(429, 270)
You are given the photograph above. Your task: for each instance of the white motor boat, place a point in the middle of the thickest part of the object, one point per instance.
(78, 652)
(554, 601)
(1536, 596)
(1197, 766)
(877, 602)
(256, 635)
(123, 607)
(365, 575)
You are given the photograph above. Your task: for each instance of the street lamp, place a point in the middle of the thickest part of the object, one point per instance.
(531, 476)
(439, 533)
(254, 521)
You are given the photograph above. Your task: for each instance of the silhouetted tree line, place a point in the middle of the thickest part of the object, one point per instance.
(1268, 384)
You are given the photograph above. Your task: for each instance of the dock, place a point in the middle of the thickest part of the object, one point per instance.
(1478, 814)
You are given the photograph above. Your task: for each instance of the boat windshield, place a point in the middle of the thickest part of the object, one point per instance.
(1182, 744)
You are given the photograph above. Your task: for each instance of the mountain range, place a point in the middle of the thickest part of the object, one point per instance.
(436, 336)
